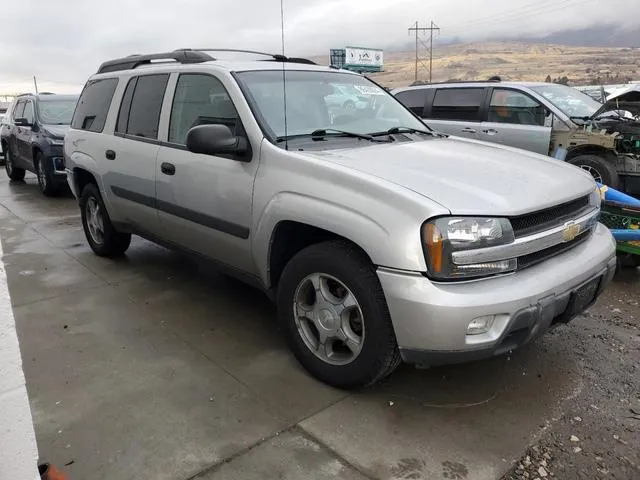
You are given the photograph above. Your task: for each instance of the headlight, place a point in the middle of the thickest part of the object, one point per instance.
(55, 141)
(443, 236)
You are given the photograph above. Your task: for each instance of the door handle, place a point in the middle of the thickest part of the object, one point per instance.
(167, 168)
(469, 130)
(490, 131)
(110, 154)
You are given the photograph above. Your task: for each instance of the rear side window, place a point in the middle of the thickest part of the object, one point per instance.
(93, 105)
(457, 104)
(414, 100)
(141, 105)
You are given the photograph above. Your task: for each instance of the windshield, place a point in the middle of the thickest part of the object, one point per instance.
(319, 100)
(56, 112)
(572, 102)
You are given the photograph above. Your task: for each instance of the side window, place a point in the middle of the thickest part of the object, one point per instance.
(125, 106)
(146, 103)
(18, 110)
(28, 111)
(93, 105)
(200, 100)
(414, 100)
(509, 106)
(457, 104)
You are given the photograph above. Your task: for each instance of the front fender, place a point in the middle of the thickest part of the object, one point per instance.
(363, 230)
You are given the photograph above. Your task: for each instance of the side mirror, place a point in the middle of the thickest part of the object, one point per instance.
(22, 122)
(217, 140)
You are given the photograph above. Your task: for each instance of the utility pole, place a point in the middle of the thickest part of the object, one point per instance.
(417, 30)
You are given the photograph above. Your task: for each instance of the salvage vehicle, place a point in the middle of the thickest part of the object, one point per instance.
(378, 239)
(32, 137)
(545, 118)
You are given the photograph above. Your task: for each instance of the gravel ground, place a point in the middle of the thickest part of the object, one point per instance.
(598, 434)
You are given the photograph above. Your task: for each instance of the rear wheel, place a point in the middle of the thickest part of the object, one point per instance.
(335, 316)
(14, 173)
(601, 169)
(45, 174)
(103, 238)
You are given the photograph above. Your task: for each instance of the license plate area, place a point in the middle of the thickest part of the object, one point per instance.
(582, 298)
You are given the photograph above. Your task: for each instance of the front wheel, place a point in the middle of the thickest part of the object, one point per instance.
(14, 173)
(103, 238)
(601, 169)
(335, 316)
(45, 176)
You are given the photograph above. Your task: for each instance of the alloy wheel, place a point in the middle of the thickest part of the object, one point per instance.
(95, 222)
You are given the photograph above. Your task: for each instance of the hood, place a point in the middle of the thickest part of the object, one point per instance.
(57, 131)
(626, 98)
(469, 177)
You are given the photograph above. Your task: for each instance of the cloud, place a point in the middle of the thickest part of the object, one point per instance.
(62, 42)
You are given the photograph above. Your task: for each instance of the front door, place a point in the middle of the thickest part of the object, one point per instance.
(204, 201)
(23, 137)
(517, 120)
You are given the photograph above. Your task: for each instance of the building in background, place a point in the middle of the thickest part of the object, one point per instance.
(357, 59)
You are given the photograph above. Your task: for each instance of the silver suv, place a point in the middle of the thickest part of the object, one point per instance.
(545, 118)
(378, 239)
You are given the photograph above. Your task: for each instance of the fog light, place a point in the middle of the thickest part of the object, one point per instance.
(480, 325)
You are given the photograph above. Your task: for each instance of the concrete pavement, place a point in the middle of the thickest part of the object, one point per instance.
(154, 367)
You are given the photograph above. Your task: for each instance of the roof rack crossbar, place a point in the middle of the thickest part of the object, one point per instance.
(133, 61)
(274, 56)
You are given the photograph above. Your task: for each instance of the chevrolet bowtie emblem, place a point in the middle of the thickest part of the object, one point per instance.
(571, 231)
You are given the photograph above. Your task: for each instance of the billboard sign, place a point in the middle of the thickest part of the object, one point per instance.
(363, 58)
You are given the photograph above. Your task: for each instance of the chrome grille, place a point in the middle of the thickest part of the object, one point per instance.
(542, 220)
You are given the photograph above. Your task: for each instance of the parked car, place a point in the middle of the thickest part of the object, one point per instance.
(545, 118)
(378, 239)
(32, 137)
(347, 97)
(2, 117)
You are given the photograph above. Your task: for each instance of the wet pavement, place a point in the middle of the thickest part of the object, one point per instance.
(155, 367)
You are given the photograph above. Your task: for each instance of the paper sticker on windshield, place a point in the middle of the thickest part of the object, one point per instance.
(369, 90)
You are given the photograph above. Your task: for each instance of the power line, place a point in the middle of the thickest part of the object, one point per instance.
(418, 30)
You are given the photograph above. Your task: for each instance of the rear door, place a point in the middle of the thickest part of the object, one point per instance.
(456, 110)
(517, 120)
(132, 153)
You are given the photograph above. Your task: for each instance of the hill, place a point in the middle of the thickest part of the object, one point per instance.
(518, 61)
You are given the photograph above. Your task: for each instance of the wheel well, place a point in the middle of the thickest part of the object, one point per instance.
(291, 237)
(82, 178)
(591, 150)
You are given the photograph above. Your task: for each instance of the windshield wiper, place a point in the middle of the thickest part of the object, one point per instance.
(332, 132)
(394, 130)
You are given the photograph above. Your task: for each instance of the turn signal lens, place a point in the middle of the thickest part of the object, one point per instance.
(433, 239)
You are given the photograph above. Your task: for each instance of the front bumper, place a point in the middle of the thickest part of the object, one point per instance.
(431, 319)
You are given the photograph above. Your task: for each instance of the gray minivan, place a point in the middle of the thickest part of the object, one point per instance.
(545, 118)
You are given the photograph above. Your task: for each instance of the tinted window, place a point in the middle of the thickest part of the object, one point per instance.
(125, 106)
(200, 100)
(457, 104)
(146, 104)
(92, 108)
(509, 106)
(17, 112)
(414, 99)
(28, 111)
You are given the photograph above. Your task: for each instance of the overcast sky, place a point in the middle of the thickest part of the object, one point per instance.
(62, 42)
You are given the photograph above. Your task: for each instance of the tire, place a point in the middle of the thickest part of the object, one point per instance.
(110, 243)
(14, 173)
(44, 171)
(343, 263)
(602, 169)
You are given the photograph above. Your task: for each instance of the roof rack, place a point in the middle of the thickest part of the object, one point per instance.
(186, 56)
(133, 61)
